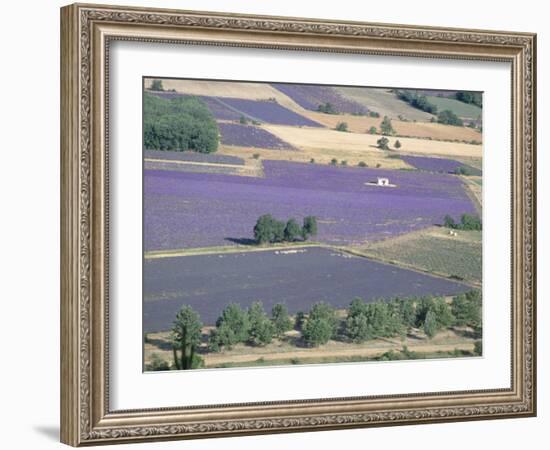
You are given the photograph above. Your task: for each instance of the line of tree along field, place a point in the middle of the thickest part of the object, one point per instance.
(270, 230)
(467, 222)
(178, 124)
(422, 103)
(362, 322)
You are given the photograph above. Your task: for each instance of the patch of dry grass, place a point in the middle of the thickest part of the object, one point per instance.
(286, 350)
(369, 155)
(249, 91)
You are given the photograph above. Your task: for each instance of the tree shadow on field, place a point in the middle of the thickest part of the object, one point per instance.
(296, 341)
(241, 241)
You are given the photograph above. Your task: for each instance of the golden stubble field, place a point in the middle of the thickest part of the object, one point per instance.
(353, 145)
(370, 156)
(248, 91)
(361, 124)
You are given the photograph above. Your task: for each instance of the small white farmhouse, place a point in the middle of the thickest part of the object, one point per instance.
(383, 181)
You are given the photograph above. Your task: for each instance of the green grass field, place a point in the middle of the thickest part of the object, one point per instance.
(434, 250)
(384, 102)
(459, 108)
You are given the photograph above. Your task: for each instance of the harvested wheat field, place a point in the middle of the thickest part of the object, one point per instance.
(249, 91)
(355, 145)
(361, 124)
(371, 157)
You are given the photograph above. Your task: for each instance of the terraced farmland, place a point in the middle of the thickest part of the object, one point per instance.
(297, 278)
(189, 210)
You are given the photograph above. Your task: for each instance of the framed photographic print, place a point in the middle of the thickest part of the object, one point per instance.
(276, 224)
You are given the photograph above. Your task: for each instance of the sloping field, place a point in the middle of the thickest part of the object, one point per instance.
(250, 91)
(267, 111)
(191, 210)
(297, 278)
(310, 97)
(461, 109)
(385, 102)
(434, 250)
(353, 144)
(361, 124)
(441, 165)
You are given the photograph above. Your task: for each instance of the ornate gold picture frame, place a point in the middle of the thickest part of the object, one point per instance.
(87, 32)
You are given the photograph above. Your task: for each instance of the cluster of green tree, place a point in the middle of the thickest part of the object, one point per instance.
(252, 326)
(364, 321)
(341, 126)
(327, 108)
(467, 222)
(178, 124)
(463, 170)
(386, 127)
(448, 117)
(417, 101)
(382, 143)
(156, 85)
(474, 98)
(367, 321)
(320, 325)
(269, 229)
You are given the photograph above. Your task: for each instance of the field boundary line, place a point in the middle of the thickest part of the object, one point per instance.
(197, 163)
(224, 250)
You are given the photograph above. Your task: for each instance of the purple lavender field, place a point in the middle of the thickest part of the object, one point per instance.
(311, 96)
(250, 136)
(299, 279)
(267, 111)
(228, 108)
(187, 210)
(441, 165)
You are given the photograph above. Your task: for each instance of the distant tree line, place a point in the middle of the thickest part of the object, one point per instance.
(417, 101)
(448, 117)
(363, 321)
(327, 108)
(270, 230)
(178, 124)
(467, 222)
(421, 102)
(474, 98)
